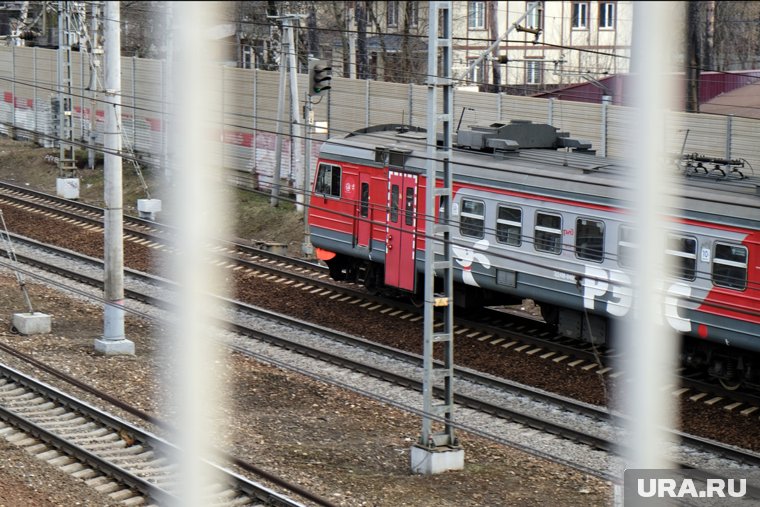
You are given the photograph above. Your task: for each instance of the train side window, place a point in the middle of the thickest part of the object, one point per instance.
(627, 249)
(394, 203)
(409, 206)
(509, 226)
(729, 267)
(548, 233)
(472, 221)
(328, 180)
(684, 252)
(589, 239)
(364, 205)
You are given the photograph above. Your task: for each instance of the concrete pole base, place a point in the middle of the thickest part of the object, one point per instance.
(147, 208)
(31, 323)
(68, 188)
(122, 347)
(435, 461)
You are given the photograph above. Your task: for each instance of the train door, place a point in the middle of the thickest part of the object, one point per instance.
(363, 212)
(401, 223)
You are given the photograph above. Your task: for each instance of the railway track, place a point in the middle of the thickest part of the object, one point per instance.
(117, 459)
(521, 335)
(516, 330)
(586, 433)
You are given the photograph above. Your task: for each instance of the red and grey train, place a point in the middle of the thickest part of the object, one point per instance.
(536, 214)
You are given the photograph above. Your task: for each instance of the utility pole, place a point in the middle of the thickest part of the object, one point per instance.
(437, 452)
(308, 117)
(288, 50)
(296, 142)
(113, 341)
(67, 183)
(95, 53)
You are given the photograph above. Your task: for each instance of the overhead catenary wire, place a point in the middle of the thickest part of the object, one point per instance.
(160, 104)
(506, 256)
(136, 8)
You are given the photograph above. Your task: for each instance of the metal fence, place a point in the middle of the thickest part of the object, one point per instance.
(246, 129)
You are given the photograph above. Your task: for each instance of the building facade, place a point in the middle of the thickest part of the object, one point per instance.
(542, 44)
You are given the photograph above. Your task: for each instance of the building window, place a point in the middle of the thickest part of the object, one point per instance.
(730, 266)
(683, 252)
(476, 15)
(509, 226)
(548, 233)
(534, 72)
(535, 17)
(580, 15)
(589, 239)
(413, 10)
(392, 13)
(328, 180)
(607, 15)
(472, 221)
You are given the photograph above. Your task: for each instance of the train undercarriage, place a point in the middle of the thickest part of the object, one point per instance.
(733, 368)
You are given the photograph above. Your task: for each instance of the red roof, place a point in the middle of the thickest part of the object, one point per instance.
(711, 85)
(744, 101)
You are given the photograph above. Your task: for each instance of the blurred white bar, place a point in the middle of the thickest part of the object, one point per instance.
(650, 344)
(199, 209)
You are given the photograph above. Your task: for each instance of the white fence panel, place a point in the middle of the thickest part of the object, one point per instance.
(247, 113)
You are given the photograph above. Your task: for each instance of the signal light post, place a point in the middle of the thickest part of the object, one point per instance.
(320, 75)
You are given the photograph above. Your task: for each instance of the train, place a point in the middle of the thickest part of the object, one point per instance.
(536, 214)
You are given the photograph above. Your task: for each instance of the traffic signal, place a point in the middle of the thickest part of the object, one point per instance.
(319, 77)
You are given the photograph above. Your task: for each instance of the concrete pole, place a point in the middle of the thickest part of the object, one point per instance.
(352, 55)
(308, 120)
(94, 66)
(275, 199)
(113, 341)
(296, 142)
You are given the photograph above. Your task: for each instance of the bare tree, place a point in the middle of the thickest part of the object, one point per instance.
(693, 56)
(737, 37)
(337, 21)
(142, 29)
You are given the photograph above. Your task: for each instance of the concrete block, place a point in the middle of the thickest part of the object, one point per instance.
(31, 323)
(147, 208)
(149, 205)
(122, 347)
(68, 188)
(435, 461)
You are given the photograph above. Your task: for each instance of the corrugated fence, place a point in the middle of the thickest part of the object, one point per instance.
(245, 136)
